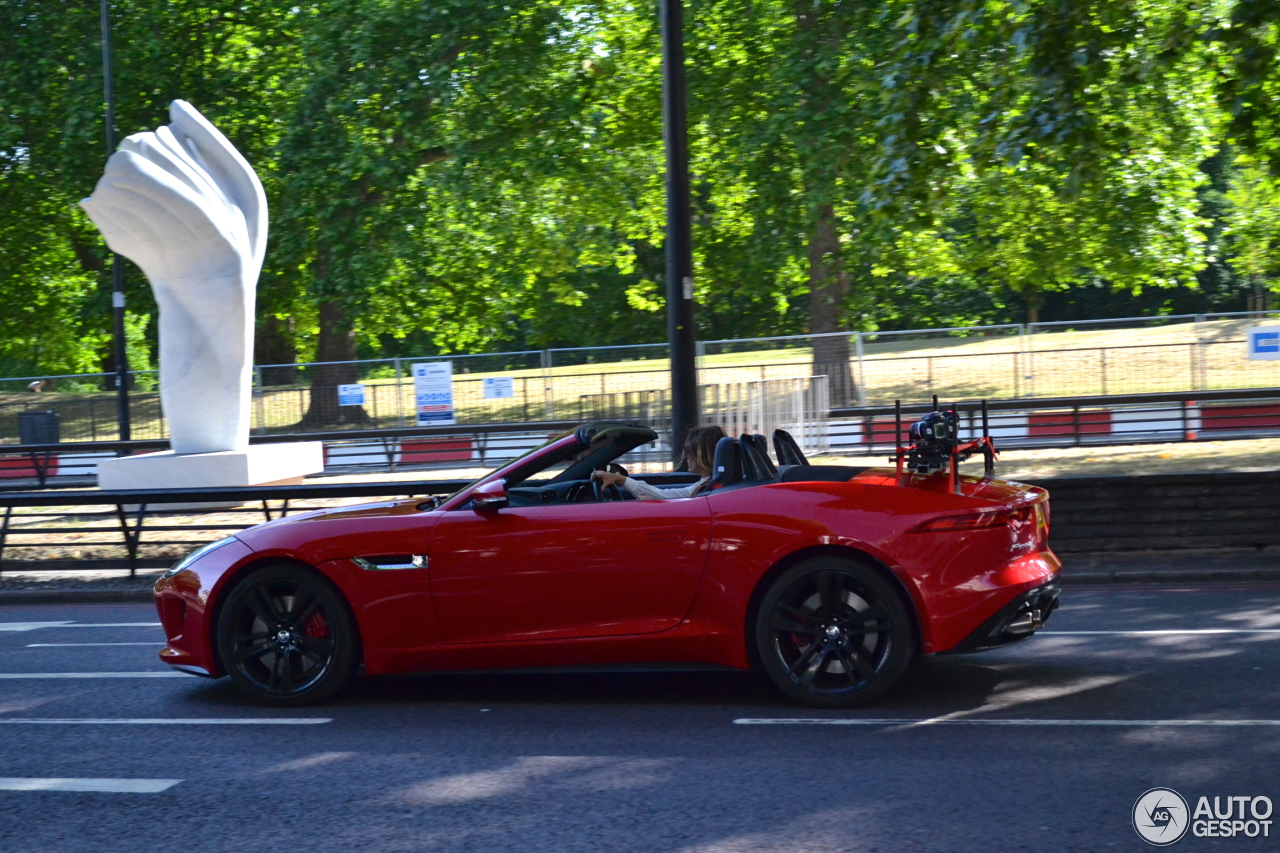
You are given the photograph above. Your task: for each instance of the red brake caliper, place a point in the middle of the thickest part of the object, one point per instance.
(316, 626)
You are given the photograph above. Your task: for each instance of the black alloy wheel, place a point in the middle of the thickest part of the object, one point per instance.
(833, 633)
(286, 637)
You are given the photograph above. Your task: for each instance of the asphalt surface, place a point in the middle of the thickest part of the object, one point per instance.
(652, 761)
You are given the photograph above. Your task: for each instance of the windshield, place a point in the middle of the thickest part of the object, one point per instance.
(512, 463)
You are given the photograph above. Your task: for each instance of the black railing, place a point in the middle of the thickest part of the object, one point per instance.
(125, 513)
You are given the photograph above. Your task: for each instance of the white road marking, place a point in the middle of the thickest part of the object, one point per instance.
(166, 721)
(32, 626)
(1165, 632)
(104, 786)
(69, 645)
(167, 674)
(941, 721)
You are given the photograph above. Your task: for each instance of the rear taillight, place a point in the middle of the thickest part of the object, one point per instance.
(1028, 524)
(973, 521)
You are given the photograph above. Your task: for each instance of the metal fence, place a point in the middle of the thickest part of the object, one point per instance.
(1100, 357)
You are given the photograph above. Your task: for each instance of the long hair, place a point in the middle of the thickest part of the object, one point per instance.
(700, 447)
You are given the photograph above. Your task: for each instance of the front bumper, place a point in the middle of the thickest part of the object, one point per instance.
(1016, 621)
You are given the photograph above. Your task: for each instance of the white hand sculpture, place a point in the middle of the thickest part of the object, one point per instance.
(183, 205)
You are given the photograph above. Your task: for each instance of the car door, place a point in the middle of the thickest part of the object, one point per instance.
(559, 571)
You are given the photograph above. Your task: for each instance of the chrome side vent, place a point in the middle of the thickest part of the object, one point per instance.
(394, 561)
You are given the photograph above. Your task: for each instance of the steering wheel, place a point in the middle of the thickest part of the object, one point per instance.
(605, 493)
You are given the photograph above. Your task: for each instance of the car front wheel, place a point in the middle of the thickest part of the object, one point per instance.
(285, 636)
(833, 633)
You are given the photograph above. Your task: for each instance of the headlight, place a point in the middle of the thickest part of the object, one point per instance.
(197, 554)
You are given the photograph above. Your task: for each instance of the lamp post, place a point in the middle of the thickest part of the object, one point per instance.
(117, 263)
(681, 333)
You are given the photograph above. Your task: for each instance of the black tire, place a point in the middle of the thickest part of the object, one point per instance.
(286, 637)
(833, 633)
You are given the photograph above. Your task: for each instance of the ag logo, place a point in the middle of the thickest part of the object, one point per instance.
(1160, 816)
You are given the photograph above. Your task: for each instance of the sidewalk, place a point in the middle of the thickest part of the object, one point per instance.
(1174, 567)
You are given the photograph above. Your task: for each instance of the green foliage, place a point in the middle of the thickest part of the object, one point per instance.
(469, 176)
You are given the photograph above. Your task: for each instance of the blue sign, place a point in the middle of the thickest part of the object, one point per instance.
(1263, 343)
(499, 387)
(350, 395)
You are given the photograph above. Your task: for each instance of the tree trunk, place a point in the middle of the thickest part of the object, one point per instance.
(336, 343)
(1033, 306)
(828, 287)
(275, 346)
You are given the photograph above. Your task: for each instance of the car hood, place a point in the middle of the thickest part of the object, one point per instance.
(345, 531)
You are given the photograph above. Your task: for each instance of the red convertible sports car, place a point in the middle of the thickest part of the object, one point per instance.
(829, 579)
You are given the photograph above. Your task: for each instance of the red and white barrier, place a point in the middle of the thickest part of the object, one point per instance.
(1159, 423)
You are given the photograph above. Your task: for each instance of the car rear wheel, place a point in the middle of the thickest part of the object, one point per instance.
(285, 636)
(833, 633)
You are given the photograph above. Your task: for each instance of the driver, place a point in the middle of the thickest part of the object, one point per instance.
(699, 454)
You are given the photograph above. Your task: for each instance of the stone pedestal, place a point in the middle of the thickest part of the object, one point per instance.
(256, 465)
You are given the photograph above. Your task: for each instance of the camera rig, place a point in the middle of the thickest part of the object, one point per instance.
(936, 446)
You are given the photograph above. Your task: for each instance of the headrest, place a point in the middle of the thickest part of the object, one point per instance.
(726, 469)
(786, 449)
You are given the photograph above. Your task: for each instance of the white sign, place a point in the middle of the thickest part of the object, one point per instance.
(350, 395)
(433, 393)
(499, 387)
(1263, 343)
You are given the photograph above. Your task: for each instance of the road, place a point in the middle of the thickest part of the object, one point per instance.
(650, 761)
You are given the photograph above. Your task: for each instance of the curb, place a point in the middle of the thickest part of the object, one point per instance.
(76, 596)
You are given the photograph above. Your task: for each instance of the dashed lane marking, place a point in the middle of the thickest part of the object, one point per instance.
(165, 721)
(103, 786)
(943, 721)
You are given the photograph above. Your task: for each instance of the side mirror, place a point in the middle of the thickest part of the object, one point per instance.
(490, 496)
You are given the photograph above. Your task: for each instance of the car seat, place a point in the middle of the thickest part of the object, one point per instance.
(786, 449)
(726, 467)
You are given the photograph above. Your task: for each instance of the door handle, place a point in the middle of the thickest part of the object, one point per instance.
(666, 536)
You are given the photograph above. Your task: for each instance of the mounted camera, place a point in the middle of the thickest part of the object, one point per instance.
(933, 440)
(936, 446)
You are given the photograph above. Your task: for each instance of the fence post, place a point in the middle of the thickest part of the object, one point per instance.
(399, 393)
(260, 393)
(1199, 360)
(862, 374)
(548, 397)
(1026, 336)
